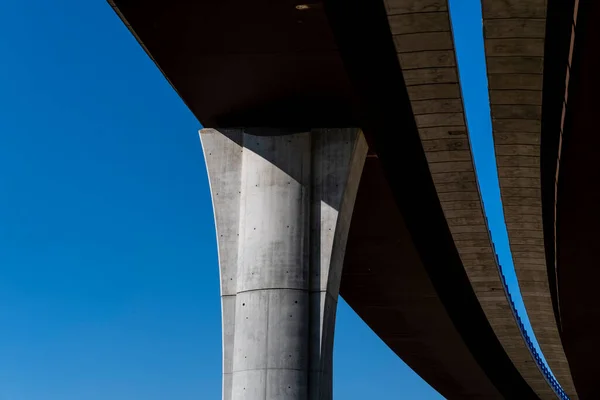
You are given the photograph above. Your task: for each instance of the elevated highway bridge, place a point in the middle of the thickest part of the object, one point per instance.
(570, 196)
(339, 162)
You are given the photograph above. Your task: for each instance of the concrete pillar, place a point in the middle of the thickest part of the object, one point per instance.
(283, 206)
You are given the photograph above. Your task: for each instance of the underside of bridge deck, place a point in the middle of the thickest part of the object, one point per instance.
(385, 282)
(290, 66)
(578, 213)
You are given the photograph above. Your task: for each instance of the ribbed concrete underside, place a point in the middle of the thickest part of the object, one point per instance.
(424, 43)
(514, 33)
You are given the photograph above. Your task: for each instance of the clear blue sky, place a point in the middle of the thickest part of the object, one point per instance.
(468, 36)
(109, 279)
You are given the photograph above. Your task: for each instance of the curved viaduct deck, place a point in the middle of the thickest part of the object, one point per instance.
(425, 47)
(527, 45)
(577, 211)
(385, 282)
(319, 70)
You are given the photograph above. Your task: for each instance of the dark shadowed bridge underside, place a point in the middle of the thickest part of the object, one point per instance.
(578, 209)
(270, 64)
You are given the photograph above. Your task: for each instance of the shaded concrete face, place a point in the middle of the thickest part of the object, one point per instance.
(578, 214)
(514, 33)
(297, 87)
(282, 207)
(386, 283)
(247, 63)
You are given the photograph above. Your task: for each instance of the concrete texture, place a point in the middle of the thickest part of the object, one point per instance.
(387, 284)
(432, 81)
(282, 206)
(514, 33)
(574, 202)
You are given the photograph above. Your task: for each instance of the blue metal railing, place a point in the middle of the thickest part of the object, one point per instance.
(540, 363)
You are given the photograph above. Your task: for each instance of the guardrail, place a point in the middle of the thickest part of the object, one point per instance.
(540, 363)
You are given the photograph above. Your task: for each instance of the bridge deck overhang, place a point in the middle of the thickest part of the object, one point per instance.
(334, 64)
(578, 211)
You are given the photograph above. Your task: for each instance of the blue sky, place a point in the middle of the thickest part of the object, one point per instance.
(109, 280)
(468, 38)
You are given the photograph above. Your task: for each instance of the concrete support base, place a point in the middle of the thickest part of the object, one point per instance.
(283, 206)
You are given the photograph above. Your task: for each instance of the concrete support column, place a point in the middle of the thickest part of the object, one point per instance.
(282, 206)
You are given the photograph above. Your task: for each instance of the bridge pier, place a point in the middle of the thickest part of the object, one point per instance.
(283, 205)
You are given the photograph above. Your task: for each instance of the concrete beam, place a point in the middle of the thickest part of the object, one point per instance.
(282, 206)
(514, 36)
(434, 91)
